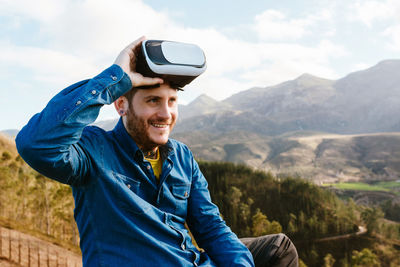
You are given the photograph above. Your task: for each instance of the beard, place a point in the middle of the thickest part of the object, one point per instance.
(138, 128)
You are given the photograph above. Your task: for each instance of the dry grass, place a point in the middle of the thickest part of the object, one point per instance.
(7, 144)
(19, 249)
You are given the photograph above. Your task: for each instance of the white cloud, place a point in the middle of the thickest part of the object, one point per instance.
(45, 65)
(369, 12)
(288, 61)
(360, 66)
(39, 10)
(275, 25)
(394, 33)
(98, 28)
(272, 25)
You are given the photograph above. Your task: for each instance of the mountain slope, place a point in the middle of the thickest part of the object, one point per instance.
(320, 157)
(362, 102)
(200, 106)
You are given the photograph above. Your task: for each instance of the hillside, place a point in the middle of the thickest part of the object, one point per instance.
(20, 249)
(247, 200)
(315, 219)
(202, 105)
(38, 204)
(323, 158)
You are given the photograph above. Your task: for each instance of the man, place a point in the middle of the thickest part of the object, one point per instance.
(134, 188)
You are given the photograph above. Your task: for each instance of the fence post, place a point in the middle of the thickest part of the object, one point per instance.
(38, 254)
(1, 242)
(19, 249)
(29, 253)
(48, 257)
(9, 244)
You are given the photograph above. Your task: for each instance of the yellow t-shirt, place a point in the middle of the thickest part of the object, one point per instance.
(156, 164)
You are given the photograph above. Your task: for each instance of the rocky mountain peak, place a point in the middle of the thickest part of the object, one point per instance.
(203, 100)
(308, 80)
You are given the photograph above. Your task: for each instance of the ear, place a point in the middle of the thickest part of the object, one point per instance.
(121, 105)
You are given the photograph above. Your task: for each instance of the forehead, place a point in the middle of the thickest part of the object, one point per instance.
(164, 90)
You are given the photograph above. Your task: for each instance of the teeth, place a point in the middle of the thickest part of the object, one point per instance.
(160, 125)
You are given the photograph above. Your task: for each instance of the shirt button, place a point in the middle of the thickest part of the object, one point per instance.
(148, 167)
(94, 92)
(128, 185)
(78, 102)
(186, 194)
(183, 246)
(114, 78)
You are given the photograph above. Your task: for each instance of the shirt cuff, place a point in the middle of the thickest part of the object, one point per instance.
(115, 80)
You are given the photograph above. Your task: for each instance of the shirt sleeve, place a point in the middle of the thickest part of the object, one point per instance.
(208, 228)
(49, 143)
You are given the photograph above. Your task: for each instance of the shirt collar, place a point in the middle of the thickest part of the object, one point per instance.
(129, 146)
(125, 141)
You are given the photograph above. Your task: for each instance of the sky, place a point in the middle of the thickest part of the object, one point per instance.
(46, 45)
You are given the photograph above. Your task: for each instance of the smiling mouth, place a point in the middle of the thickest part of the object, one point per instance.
(161, 126)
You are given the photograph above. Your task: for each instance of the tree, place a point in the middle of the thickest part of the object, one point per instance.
(301, 263)
(260, 224)
(6, 156)
(313, 257)
(371, 217)
(364, 258)
(291, 228)
(329, 260)
(274, 228)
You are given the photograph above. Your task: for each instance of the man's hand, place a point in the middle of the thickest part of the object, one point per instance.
(127, 61)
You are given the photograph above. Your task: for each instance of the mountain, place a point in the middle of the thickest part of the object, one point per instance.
(304, 92)
(10, 132)
(107, 125)
(362, 102)
(323, 158)
(202, 105)
(368, 100)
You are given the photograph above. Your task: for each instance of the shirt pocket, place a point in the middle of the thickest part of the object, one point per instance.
(181, 193)
(130, 183)
(128, 198)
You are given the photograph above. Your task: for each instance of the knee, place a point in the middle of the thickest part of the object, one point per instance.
(288, 250)
(273, 250)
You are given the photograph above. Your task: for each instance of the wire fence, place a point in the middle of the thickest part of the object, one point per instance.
(19, 249)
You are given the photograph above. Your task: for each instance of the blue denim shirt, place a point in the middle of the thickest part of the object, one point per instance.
(124, 216)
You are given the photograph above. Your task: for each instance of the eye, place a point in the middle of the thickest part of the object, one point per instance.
(152, 100)
(172, 100)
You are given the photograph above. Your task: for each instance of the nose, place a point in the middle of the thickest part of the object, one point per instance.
(164, 112)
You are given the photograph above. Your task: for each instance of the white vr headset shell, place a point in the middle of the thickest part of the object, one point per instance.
(178, 63)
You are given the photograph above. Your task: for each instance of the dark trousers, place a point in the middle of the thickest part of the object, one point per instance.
(272, 250)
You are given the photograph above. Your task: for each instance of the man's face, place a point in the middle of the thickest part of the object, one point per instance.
(152, 116)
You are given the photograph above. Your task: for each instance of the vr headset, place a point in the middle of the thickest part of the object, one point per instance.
(177, 63)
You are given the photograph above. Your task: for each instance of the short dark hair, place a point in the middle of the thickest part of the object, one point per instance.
(130, 94)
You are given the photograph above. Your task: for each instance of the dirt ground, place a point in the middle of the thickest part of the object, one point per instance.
(18, 249)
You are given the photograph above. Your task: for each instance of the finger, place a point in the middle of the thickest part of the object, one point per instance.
(151, 81)
(135, 43)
